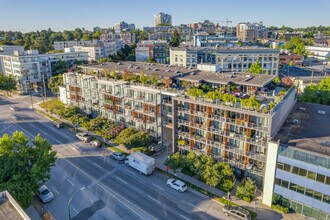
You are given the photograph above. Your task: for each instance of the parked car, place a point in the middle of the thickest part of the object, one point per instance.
(58, 124)
(237, 212)
(117, 156)
(177, 185)
(13, 108)
(96, 143)
(45, 195)
(84, 137)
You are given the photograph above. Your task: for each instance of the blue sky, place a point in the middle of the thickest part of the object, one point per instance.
(28, 15)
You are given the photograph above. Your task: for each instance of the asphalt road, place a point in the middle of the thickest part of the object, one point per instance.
(106, 189)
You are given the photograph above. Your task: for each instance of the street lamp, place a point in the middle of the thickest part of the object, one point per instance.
(69, 203)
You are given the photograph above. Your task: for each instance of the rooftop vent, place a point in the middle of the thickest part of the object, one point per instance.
(295, 121)
(155, 69)
(119, 63)
(137, 67)
(302, 109)
(320, 112)
(177, 71)
(168, 70)
(148, 68)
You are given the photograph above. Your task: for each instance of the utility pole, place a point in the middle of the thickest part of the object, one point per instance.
(30, 88)
(43, 81)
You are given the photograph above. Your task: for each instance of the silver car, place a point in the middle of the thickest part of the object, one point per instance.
(45, 195)
(84, 137)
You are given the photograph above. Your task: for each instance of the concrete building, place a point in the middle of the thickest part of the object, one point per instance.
(162, 19)
(247, 31)
(228, 131)
(288, 35)
(234, 59)
(298, 163)
(123, 26)
(214, 40)
(152, 49)
(319, 52)
(9, 50)
(323, 41)
(60, 45)
(127, 38)
(10, 209)
(286, 59)
(29, 68)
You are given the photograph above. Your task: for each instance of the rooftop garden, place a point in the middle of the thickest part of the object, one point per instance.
(254, 99)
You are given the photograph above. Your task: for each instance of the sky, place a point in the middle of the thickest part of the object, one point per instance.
(59, 15)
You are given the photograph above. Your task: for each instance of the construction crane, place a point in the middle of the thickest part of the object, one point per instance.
(225, 21)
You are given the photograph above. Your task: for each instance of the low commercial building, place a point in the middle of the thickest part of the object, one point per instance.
(30, 68)
(10, 209)
(157, 50)
(228, 131)
(287, 59)
(235, 59)
(319, 52)
(298, 163)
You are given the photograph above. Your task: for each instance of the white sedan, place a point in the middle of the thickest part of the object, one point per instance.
(177, 185)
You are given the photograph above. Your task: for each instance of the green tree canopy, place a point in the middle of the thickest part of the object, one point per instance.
(54, 83)
(22, 166)
(256, 68)
(7, 83)
(175, 42)
(319, 93)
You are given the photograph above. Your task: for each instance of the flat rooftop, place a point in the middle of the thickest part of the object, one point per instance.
(164, 70)
(306, 129)
(222, 49)
(9, 209)
(246, 79)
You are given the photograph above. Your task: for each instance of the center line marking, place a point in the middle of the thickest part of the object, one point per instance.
(153, 199)
(121, 180)
(71, 182)
(97, 165)
(158, 186)
(55, 190)
(184, 217)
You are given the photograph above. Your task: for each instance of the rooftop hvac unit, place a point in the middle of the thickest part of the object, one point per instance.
(320, 112)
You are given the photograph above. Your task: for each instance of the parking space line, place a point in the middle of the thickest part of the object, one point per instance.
(71, 183)
(56, 191)
(121, 180)
(194, 206)
(158, 186)
(153, 199)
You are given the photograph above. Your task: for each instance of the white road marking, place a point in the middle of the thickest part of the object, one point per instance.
(59, 142)
(184, 217)
(194, 206)
(55, 191)
(153, 199)
(92, 201)
(5, 129)
(74, 148)
(121, 180)
(75, 210)
(97, 165)
(158, 186)
(71, 182)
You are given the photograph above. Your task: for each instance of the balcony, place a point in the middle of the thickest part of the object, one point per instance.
(167, 102)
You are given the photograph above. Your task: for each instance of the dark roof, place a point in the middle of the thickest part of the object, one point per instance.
(163, 70)
(248, 79)
(306, 129)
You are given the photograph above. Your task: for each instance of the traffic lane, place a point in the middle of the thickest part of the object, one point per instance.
(118, 204)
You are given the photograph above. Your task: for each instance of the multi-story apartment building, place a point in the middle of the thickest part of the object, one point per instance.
(230, 59)
(162, 19)
(127, 38)
(60, 45)
(227, 131)
(29, 68)
(123, 26)
(298, 163)
(100, 50)
(9, 50)
(152, 49)
(247, 31)
(214, 40)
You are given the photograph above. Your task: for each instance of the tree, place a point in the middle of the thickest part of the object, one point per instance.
(154, 79)
(60, 67)
(7, 83)
(319, 93)
(68, 35)
(276, 80)
(151, 60)
(23, 166)
(176, 39)
(97, 35)
(143, 78)
(55, 82)
(246, 190)
(87, 37)
(78, 34)
(196, 93)
(132, 138)
(256, 68)
(103, 60)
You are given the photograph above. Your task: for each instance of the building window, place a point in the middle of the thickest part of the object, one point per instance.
(320, 178)
(311, 175)
(302, 172)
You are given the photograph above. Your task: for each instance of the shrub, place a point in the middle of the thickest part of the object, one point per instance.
(246, 190)
(280, 208)
(187, 171)
(194, 92)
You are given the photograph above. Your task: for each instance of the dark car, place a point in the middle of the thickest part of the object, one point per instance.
(58, 124)
(117, 156)
(237, 212)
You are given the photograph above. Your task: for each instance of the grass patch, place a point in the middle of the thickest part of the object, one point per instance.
(51, 104)
(205, 192)
(116, 149)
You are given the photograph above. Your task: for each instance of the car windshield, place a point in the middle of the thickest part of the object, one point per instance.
(45, 192)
